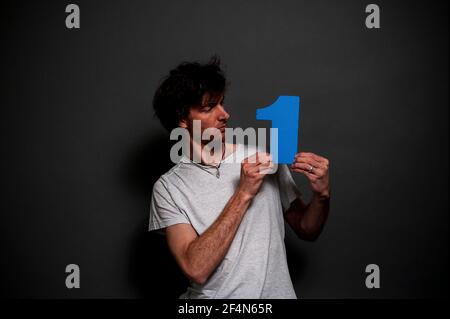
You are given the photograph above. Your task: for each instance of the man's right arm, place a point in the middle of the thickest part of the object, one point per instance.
(198, 256)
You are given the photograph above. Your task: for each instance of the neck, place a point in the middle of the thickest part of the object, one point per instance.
(207, 154)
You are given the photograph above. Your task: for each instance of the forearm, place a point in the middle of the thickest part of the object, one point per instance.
(206, 252)
(315, 215)
(307, 220)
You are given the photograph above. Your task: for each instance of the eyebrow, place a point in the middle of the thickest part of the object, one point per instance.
(214, 102)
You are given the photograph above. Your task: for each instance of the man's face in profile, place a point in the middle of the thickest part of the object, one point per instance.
(211, 113)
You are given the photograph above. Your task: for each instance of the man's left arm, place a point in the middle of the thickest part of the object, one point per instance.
(307, 220)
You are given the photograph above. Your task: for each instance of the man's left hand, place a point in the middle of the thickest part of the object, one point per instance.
(315, 168)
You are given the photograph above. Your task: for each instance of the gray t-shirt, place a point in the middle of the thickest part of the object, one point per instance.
(255, 265)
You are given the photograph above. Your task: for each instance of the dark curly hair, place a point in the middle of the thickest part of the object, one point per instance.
(184, 87)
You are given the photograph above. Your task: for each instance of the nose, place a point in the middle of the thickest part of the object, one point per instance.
(222, 114)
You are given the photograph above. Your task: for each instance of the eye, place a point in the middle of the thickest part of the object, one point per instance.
(206, 108)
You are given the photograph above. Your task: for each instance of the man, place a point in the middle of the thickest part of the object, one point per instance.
(224, 222)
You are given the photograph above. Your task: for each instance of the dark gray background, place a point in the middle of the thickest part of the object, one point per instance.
(81, 150)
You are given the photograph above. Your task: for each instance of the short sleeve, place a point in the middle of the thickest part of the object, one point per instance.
(163, 210)
(288, 189)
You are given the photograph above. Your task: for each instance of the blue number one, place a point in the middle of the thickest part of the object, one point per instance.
(284, 114)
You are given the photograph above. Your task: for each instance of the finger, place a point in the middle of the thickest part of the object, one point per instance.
(317, 172)
(302, 167)
(310, 161)
(258, 158)
(263, 157)
(259, 166)
(309, 155)
(311, 177)
(250, 159)
(254, 166)
(266, 168)
(316, 157)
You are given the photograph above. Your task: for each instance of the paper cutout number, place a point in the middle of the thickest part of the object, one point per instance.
(284, 114)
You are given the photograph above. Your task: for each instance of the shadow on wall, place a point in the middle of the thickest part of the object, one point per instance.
(153, 271)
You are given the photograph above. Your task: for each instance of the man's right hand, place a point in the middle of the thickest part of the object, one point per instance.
(253, 170)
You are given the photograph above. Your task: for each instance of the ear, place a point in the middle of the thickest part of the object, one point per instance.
(183, 123)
